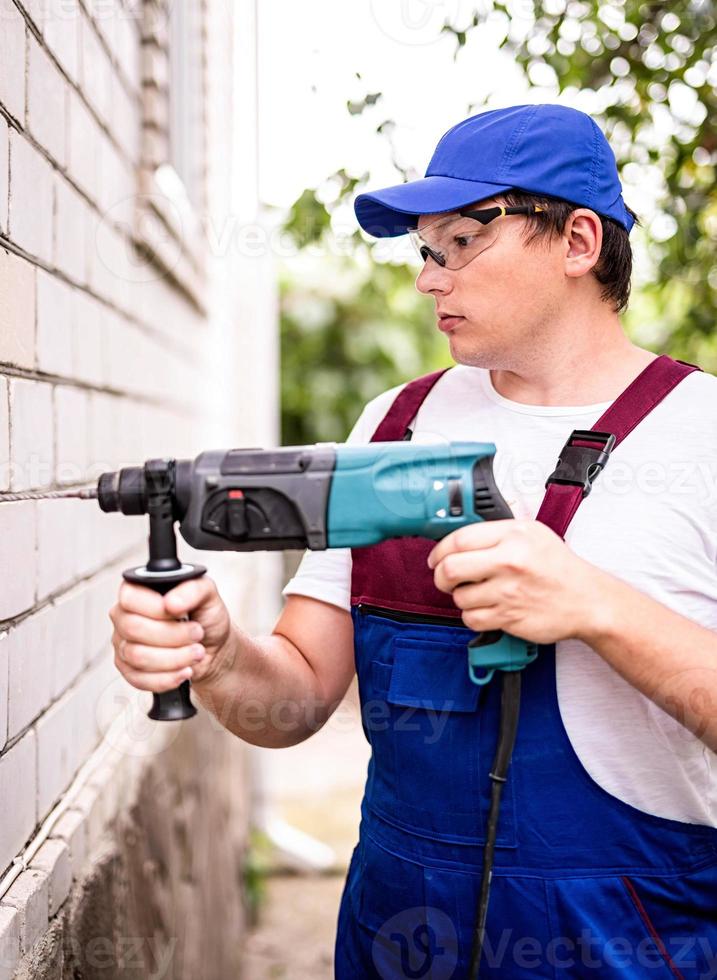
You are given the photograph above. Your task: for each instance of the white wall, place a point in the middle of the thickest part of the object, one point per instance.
(105, 359)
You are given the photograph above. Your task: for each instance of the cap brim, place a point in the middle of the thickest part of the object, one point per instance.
(393, 211)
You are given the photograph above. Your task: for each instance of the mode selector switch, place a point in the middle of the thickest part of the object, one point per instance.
(237, 523)
(455, 498)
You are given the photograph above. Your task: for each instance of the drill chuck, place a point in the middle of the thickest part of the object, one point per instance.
(124, 491)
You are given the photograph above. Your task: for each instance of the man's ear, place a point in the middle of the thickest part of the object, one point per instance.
(583, 241)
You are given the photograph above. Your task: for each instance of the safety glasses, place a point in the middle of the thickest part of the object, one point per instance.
(455, 241)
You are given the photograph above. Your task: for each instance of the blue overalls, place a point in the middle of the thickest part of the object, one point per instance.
(584, 885)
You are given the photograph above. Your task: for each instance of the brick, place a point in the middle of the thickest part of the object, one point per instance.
(60, 542)
(102, 595)
(61, 29)
(113, 264)
(89, 806)
(30, 651)
(17, 302)
(68, 648)
(18, 780)
(31, 434)
(96, 541)
(46, 97)
(125, 120)
(88, 340)
(4, 674)
(31, 198)
(29, 894)
(71, 434)
(10, 928)
(71, 230)
(72, 829)
(126, 46)
(55, 324)
(57, 757)
(4, 173)
(84, 133)
(118, 184)
(96, 71)
(102, 433)
(66, 735)
(12, 59)
(18, 559)
(4, 435)
(53, 859)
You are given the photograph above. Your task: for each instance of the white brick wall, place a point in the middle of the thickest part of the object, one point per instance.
(56, 312)
(32, 444)
(4, 435)
(29, 895)
(17, 302)
(18, 558)
(96, 70)
(12, 59)
(71, 244)
(4, 687)
(60, 26)
(31, 183)
(18, 781)
(46, 102)
(53, 860)
(10, 923)
(4, 173)
(104, 362)
(30, 650)
(71, 434)
(83, 132)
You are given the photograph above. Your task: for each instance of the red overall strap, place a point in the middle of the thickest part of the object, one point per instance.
(394, 573)
(392, 427)
(657, 380)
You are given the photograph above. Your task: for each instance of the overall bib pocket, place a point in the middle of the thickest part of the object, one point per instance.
(426, 721)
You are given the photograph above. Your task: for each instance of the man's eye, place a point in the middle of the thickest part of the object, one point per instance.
(463, 241)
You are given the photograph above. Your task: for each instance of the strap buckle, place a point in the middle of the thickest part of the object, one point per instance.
(579, 464)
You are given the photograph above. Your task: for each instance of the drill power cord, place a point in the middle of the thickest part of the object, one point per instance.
(508, 727)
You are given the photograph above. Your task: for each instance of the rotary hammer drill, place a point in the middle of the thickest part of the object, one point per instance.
(323, 496)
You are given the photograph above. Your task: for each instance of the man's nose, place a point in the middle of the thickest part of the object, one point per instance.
(433, 277)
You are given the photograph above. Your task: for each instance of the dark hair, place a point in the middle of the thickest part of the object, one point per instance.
(614, 266)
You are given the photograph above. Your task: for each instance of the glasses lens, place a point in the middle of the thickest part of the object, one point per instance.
(454, 242)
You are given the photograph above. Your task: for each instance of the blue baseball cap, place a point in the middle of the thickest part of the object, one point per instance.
(544, 149)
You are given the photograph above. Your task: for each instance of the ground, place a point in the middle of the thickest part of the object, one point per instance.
(316, 787)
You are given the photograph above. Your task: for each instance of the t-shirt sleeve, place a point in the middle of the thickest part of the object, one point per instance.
(326, 575)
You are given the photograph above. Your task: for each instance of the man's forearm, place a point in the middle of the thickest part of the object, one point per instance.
(669, 658)
(264, 691)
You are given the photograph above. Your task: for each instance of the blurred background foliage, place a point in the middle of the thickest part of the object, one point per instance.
(352, 323)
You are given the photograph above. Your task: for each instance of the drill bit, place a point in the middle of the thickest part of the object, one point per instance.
(84, 493)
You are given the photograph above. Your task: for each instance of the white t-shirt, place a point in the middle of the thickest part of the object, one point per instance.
(651, 520)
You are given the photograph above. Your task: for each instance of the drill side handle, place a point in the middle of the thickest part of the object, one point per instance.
(176, 704)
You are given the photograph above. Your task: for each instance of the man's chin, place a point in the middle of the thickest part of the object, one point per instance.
(473, 355)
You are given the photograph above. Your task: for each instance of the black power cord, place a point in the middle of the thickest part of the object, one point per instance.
(508, 727)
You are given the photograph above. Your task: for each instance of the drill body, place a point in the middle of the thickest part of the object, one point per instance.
(317, 497)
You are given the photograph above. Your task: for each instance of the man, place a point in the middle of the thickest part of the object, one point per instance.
(606, 857)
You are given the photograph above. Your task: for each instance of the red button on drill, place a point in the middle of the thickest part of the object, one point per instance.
(237, 516)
